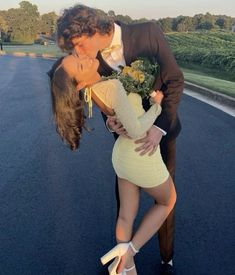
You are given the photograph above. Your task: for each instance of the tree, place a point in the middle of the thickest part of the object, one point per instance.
(111, 13)
(30, 17)
(3, 30)
(183, 24)
(166, 24)
(141, 20)
(224, 22)
(47, 23)
(23, 22)
(3, 27)
(3, 24)
(207, 22)
(125, 19)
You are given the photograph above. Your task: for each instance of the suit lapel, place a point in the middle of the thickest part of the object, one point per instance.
(104, 69)
(126, 39)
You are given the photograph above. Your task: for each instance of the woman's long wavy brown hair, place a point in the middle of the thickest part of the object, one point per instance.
(67, 105)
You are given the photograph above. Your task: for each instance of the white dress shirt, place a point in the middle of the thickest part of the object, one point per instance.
(116, 57)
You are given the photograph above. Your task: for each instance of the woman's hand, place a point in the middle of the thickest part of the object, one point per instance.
(157, 96)
(114, 125)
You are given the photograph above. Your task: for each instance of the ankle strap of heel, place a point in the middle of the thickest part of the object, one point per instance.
(129, 269)
(133, 247)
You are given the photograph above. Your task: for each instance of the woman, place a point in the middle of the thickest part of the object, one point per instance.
(68, 76)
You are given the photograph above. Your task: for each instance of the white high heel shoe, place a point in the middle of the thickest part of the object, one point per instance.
(117, 252)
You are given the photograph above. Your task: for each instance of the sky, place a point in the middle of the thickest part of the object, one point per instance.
(151, 9)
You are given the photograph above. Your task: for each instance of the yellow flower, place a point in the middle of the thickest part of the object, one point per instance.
(126, 70)
(141, 77)
(135, 75)
(136, 64)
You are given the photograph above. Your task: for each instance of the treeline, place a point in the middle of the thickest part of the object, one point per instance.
(185, 23)
(197, 22)
(23, 24)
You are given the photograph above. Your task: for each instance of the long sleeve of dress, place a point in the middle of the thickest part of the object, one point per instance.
(113, 95)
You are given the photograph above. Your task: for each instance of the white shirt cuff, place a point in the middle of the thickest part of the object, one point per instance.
(111, 131)
(163, 132)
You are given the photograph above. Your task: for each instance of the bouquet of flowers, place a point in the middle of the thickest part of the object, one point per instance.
(139, 77)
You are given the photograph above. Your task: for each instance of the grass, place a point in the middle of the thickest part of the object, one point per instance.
(215, 84)
(212, 72)
(37, 49)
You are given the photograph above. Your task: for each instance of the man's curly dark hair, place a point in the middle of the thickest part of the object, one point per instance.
(81, 20)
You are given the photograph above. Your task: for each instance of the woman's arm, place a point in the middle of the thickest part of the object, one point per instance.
(114, 96)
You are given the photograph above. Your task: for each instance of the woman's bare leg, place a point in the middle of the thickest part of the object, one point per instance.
(165, 196)
(129, 203)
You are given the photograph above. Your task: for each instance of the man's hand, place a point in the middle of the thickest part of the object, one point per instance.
(115, 125)
(150, 142)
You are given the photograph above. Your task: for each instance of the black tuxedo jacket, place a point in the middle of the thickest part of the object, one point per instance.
(147, 40)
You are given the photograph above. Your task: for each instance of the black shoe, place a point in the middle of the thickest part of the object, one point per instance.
(167, 269)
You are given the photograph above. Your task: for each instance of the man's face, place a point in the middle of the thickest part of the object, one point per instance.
(87, 46)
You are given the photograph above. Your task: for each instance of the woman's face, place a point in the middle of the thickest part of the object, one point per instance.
(84, 70)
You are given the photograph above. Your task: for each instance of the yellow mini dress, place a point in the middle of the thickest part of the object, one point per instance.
(145, 171)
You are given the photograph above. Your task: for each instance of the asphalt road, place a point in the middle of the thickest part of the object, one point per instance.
(57, 207)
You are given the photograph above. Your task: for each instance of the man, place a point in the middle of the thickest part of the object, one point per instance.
(89, 32)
